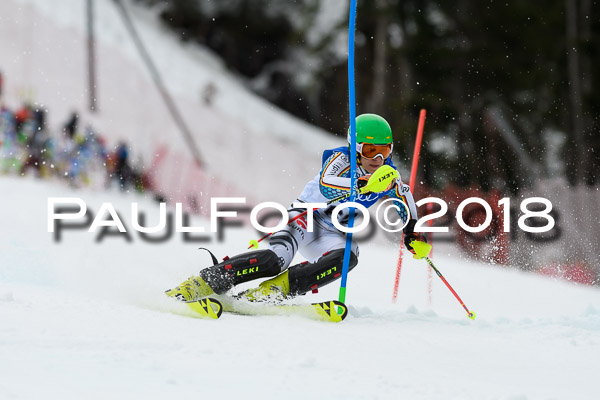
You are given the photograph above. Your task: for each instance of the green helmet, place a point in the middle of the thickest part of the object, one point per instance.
(371, 128)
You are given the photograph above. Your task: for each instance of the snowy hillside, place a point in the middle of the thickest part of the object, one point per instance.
(80, 319)
(242, 138)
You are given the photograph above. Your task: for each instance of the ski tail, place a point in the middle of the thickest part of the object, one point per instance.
(206, 308)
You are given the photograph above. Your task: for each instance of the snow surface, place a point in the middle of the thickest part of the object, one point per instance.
(80, 319)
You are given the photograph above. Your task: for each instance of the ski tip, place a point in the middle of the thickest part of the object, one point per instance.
(206, 308)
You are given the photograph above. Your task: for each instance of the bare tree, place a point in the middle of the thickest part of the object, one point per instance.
(377, 96)
(576, 112)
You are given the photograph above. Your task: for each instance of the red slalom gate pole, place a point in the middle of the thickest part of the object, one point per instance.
(413, 178)
(417, 151)
(429, 274)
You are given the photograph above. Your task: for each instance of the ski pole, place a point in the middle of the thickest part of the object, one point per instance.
(422, 250)
(254, 243)
(470, 314)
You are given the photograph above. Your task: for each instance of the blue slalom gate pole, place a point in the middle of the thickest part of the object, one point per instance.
(352, 104)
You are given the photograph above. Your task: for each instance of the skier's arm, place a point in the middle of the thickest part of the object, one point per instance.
(331, 182)
(402, 192)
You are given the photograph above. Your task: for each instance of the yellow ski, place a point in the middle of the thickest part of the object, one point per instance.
(328, 311)
(212, 308)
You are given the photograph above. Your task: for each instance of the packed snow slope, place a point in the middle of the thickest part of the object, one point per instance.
(81, 319)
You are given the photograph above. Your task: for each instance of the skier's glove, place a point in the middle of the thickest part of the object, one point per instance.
(410, 235)
(394, 184)
(413, 236)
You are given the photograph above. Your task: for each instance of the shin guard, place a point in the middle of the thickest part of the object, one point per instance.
(239, 269)
(311, 276)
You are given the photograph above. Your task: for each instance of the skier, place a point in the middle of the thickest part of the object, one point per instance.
(324, 247)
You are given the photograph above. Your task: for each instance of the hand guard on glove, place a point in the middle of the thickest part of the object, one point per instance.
(382, 180)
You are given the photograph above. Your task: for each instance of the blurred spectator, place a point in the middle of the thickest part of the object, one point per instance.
(9, 151)
(38, 157)
(123, 171)
(70, 128)
(39, 115)
(81, 157)
(21, 116)
(91, 158)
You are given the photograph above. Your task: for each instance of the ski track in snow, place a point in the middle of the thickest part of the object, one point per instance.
(86, 320)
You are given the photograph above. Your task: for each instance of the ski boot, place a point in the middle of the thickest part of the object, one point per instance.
(274, 290)
(191, 289)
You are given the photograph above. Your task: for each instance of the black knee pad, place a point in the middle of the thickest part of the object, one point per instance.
(311, 276)
(241, 268)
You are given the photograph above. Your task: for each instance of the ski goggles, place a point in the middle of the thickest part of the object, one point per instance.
(372, 151)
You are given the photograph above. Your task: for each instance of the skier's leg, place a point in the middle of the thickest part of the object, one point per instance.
(223, 276)
(284, 244)
(302, 277)
(308, 276)
(246, 267)
(326, 255)
(325, 248)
